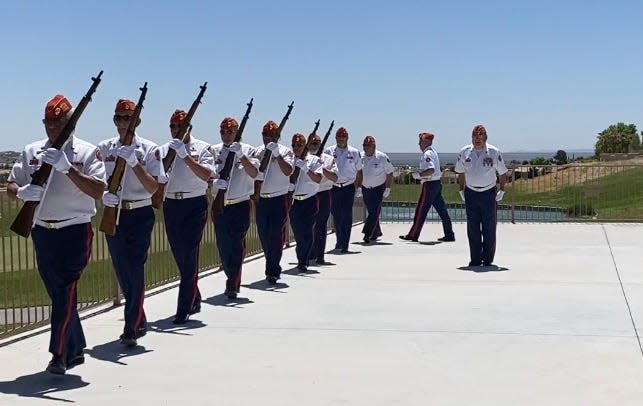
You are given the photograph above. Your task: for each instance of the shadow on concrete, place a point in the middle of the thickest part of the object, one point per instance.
(41, 385)
(266, 286)
(429, 242)
(166, 326)
(482, 269)
(222, 300)
(372, 243)
(298, 272)
(114, 351)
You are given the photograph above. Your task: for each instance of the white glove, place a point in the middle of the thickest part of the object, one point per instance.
(416, 175)
(163, 178)
(221, 184)
(301, 164)
(462, 195)
(127, 153)
(179, 146)
(261, 176)
(500, 195)
(235, 148)
(110, 199)
(358, 192)
(57, 159)
(274, 148)
(291, 187)
(387, 192)
(30, 193)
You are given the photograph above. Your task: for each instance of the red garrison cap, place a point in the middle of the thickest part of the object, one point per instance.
(298, 137)
(178, 116)
(341, 131)
(229, 122)
(124, 105)
(57, 107)
(270, 127)
(426, 137)
(479, 130)
(369, 140)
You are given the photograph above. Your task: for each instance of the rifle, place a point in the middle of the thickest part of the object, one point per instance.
(267, 154)
(226, 172)
(24, 220)
(110, 214)
(295, 174)
(320, 151)
(168, 161)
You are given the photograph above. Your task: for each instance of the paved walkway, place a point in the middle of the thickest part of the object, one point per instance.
(396, 323)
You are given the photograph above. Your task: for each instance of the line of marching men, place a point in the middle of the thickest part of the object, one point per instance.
(62, 233)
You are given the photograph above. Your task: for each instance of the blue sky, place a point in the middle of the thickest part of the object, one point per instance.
(540, 76)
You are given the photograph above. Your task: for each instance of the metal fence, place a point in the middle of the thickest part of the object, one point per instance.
(24, 303)
(576, 192)
(539, 193)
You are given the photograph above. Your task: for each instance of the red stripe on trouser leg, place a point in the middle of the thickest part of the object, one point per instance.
(417, 222)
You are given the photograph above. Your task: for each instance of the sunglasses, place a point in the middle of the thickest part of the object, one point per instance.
(53, 123)
(118, 117)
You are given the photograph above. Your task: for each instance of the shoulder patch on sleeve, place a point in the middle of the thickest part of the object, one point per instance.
(99, 156)
(157, 154)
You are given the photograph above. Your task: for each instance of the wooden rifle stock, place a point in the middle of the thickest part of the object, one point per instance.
(267, 154)
(24, 220)
(168, 161)
(295, 174)
(110, 214)
(218, 203)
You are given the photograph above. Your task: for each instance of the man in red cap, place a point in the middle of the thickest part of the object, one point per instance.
(185, 209)
(62, 234)
(349, 178)
(273, 204)
(479, 165)
(304, 206)
(231, 225)
(129, 245)
(431, 195)
(377, 180)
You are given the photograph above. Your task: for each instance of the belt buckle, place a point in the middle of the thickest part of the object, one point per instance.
(50, 226)
(178, 195)
(128, 205)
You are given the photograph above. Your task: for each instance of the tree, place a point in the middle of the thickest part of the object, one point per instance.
(617, 138)
(539, 160)
(561, 157)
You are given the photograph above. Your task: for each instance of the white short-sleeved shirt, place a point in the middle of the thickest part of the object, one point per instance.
(375, 168)
(275, 182)
(148, 157)
(182, 178)
(430, 160)
(329, 163)
(63, 199)
(305, 186)
(348, 161)
(480, 167)
(240, 185)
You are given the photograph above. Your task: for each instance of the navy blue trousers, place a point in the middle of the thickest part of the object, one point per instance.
(231, 226)
(342, 209)
(321, 231)
(481, 224)
(61, 256)
(184, 224)
(128, 249)
(303, 214)
(373, 198)
(431, 195)
(271, 227)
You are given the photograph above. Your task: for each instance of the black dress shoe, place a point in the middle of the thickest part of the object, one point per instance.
(485, 263)
(471, 263)
(56, 365)
(302, 267)
(446, 239)
(128, 340)
(408, 238)
(180, 319)
(344, 250)
(230, 294)
(196, 309)
(323, 262)
(367, 240)
(76, 360)
(271, 280)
